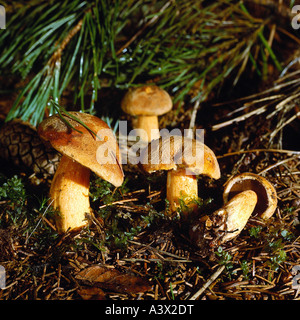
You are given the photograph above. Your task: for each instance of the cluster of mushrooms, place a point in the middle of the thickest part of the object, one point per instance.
(79, 137)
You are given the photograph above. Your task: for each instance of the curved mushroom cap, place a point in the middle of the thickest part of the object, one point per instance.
(177, 152)
(146, 101)
(266, 193)
(98, 153)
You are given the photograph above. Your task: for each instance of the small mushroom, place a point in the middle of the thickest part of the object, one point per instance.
(147, 103)
(225, 223)
(80, 153)
(183, 158)
(266, 193)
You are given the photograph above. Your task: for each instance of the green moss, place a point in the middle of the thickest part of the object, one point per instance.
(13, 196)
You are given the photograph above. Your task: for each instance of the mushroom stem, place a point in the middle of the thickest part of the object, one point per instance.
(235, 214)
(70, 194)
(181, 186)
(149, 124)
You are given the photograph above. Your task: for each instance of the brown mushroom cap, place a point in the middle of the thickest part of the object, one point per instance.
(146, 101)
(83, 146)
(177, 152)
(266, 193)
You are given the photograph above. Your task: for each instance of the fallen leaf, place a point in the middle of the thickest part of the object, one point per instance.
(113, 280)
(91, 293)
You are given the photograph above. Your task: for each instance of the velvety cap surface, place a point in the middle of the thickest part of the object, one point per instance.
(100, 153)
(177, 152)
(147, 101)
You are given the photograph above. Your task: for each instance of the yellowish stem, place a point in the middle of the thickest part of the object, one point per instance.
(147, 128)
(181, 186)
(70, 194)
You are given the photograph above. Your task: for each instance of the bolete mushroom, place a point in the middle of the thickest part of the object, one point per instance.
(183, 158)
(235, 214)
(91, 146)
(266, 193)
(147, 103)
(225, 223)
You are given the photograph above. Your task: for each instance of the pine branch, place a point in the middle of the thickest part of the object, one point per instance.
(79, 45)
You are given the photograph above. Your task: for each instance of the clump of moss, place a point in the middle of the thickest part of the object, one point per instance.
(273, 239)
(28, 214)
(13, 201)
(120, 225)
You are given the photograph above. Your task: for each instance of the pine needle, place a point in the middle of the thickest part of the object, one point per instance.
(74, 45)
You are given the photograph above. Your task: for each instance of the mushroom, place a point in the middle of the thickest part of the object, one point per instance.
(147, 103)
(266, 193)
(81, 151)
(184, 158)
(225, 223)
(235, 214)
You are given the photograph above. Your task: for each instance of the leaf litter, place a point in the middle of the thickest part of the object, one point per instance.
(131, 250)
